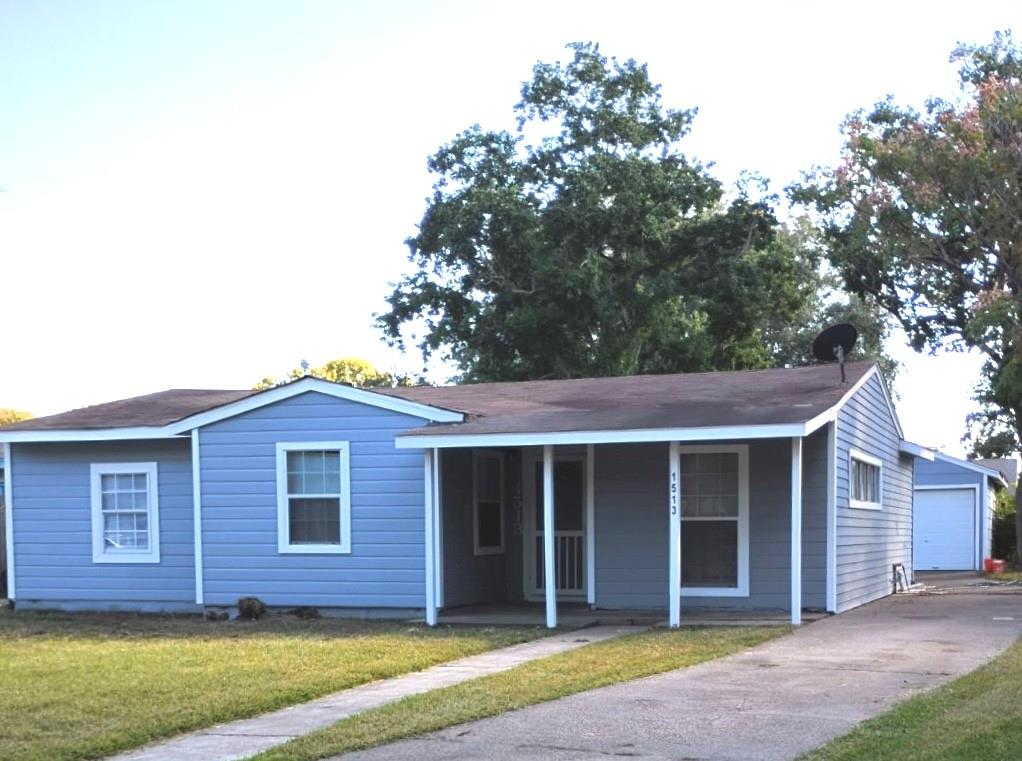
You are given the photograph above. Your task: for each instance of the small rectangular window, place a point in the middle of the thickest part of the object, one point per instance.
(125, 513)
(488, 512)
(313, 502)
(865, 484)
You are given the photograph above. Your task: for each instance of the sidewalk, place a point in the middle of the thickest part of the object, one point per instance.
(241, 739)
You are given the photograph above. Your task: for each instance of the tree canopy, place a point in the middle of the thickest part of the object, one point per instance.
(351, 370)
(585, 243)
(8, 416)
(923, 216)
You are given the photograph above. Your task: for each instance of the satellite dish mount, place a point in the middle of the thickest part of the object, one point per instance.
(836, 343)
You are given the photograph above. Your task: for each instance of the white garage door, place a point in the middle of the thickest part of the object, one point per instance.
(944, 530)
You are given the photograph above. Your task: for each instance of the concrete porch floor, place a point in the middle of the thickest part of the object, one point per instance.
(580, 615)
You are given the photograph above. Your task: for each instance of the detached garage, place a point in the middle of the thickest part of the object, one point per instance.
(953, 513)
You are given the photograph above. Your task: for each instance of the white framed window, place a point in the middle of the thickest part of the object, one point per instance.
(715, 520)
(487, 503)
(313, 497)
(125, 512)
(865, 480)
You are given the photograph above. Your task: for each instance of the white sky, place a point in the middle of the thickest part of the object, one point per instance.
(199, 194)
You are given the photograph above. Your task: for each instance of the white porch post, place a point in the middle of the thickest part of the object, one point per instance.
(590, 525)
(796, 531)
(438, 532)
(549, 573)
(674, 524)
(428, 455)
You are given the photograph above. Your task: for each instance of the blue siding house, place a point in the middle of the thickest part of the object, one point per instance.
(953, 528)
(781, 489)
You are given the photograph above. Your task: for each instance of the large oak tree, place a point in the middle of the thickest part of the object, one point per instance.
(586, 243)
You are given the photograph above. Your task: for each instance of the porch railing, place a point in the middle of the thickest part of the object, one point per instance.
(569, 562)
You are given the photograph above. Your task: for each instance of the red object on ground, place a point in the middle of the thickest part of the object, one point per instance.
(988, 565)
(997, 566)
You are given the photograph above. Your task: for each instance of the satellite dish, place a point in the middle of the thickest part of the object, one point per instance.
(835, 343)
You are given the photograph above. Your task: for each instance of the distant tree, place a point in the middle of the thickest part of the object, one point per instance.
(351, 370)
(587, 244)
(8, 416)
(923, 216)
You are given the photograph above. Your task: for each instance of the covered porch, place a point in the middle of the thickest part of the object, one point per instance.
(697, 531)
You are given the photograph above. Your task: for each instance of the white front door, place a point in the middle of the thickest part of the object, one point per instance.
(944, 529)
(569, 526)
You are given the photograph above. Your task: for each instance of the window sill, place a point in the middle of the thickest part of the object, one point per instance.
(313, 549)
(126, 558)
(714, 592)
(481, 551)
(858, 505)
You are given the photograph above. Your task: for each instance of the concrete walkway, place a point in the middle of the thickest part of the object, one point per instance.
(241, 739)
(771, 703)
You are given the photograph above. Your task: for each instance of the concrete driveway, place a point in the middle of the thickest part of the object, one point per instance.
(773, 702)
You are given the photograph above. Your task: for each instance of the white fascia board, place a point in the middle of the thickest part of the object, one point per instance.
(336, 390)
(88, 434)
(916, 450)
(720, 433)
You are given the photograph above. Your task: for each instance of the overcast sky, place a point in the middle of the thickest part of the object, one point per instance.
(198, 194)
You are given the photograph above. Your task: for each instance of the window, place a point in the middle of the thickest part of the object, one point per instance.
(488, 499)
(714, 520)
(864, 477)
(313, 497)
(125, 513)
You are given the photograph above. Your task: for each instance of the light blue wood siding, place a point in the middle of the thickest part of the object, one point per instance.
(870, 542)
(53, 529)
(632, 529)
(468, 578)
(386, 566)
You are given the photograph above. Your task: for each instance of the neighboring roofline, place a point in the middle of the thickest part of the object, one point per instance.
(969, 465)
(426, 440)
(916, 450)
(306, 384)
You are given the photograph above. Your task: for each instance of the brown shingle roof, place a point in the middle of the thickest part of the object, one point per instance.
(157, 409)
(689, 400)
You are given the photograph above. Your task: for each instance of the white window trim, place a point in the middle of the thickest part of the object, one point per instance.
(476, 549)
(96, 471)
(742, 450)
(858, 504)
(284, 545)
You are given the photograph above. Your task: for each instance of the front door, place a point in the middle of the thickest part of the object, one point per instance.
(569, 527)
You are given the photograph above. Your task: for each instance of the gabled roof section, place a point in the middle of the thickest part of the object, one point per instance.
(373, 398)
(172, 413)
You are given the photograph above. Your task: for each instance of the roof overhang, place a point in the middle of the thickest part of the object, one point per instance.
(969, 465)
(916, 450)
(635, 436)
(88, 434)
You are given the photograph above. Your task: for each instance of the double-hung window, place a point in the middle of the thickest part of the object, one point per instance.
(125, 513)
(488, 503)
(865, 482)
(313, 497)
(715, 520)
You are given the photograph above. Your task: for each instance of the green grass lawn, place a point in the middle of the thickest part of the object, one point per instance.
(590, 666)
(77, 686)
(977, 717)
(1006, 576)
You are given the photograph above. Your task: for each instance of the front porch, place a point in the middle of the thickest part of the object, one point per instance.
(739, 530)
(580, 615)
